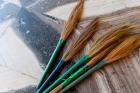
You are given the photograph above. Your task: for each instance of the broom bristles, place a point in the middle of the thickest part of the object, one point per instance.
(102, 54)
(112, 32)
(73, 20)
(82, 40)
(124, 49)
(114, 36)
(138, 43)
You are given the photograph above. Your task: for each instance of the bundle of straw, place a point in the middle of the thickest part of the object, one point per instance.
(73, 49)
(131, 43)
(69, 28)
(110, 38)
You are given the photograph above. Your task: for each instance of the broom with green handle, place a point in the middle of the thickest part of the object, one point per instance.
(69, 28)
(131, 43)
(111, 37)
(73, 49)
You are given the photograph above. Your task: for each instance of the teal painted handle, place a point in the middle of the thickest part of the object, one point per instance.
(74, 76)
(51, 61)
(71, 85)
(80, 62)
(50, 77)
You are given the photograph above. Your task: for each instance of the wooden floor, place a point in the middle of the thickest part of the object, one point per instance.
(119, 77)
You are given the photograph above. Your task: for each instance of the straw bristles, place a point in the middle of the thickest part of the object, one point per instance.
(113, 32)
(102, 54)
(138, 42)
(73, 20)
(82, 40)
(124, 49)
(108, 39)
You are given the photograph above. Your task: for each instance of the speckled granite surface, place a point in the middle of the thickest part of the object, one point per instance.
(40, 36)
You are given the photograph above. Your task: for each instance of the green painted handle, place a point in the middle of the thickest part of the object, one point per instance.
(51, 61)
(80, 62)
(74, 76)
(94, 68)
(51, 76)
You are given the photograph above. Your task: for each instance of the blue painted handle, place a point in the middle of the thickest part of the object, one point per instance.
(45, 84)
(50, 63)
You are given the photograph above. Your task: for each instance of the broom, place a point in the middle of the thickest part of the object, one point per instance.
(119, 52)
(69, 27)
(73, 49)
(101, 44)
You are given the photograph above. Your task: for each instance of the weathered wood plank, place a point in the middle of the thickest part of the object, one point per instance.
(122, 76)
(94, 8)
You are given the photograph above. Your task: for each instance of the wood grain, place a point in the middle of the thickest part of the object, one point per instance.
(119, 77)
(94, 8)
(123, 76)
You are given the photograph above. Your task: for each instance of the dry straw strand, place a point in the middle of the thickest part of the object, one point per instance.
(113, 32)
(131, 43)
(73, 20)
(113, 36)
(82, 40)
(102, 54)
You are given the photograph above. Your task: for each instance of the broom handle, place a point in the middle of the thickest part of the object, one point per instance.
(51, 61)
(45, 84)
(75, 75)
(79, 79)
(81, 61)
